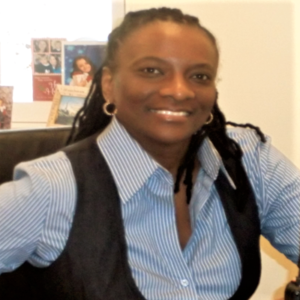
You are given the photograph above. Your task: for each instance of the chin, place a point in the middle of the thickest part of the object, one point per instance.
(168, 139)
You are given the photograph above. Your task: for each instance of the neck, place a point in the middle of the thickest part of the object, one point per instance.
(168, 156)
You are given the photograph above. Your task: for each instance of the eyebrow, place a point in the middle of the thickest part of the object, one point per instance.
(147, 58)
(160, 60)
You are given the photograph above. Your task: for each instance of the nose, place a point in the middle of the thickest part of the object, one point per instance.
(177, 87)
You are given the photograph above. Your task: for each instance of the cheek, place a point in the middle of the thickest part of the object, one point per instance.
(212, 102)
(207, 99)
(124, 92)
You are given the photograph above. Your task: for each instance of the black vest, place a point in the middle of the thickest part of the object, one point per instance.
(94, 266)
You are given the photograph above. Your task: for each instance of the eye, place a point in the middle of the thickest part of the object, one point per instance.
(202, 77)
(151, 71)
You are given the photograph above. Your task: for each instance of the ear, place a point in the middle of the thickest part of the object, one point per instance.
(107, 84)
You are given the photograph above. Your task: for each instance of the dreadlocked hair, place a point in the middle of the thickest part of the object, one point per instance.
(91, 118)
(216, 132)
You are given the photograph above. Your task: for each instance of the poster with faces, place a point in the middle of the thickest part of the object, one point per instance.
(46, 67)
(80, 62)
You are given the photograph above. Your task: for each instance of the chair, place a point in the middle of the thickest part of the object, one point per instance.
(23, 145)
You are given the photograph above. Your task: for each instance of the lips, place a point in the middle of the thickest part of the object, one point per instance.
(170, 112)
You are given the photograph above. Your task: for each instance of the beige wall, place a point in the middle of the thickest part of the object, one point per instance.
(258, 73)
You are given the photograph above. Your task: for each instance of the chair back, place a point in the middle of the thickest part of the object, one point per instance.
(22, 145)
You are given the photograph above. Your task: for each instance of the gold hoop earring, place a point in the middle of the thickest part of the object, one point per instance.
(109, 109)
(211, 117)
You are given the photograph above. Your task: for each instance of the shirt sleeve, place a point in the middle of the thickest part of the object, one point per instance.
(280, 208)
(276, 185)
(36, 212)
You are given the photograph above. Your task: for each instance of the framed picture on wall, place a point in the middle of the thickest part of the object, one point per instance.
(66, 102)
(80, 61)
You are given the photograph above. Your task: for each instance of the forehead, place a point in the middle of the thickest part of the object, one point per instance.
(168, 39)
(81, 61)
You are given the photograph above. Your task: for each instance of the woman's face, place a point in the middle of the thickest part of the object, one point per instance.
(57, 45)
(53, 60)
(83, 65)
(43, 60)
(164, 82)
(42, 45)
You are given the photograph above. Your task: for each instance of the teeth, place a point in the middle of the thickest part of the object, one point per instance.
(171, 113)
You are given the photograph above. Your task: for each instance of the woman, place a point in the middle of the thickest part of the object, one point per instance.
(83, 71)
(156, 200)
(55, 64)
(42, 64)
(56, 46)
(41, 46)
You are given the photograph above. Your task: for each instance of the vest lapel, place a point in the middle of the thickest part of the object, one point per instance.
(242, 216)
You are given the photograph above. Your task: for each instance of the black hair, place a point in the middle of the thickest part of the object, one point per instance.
(91, 118)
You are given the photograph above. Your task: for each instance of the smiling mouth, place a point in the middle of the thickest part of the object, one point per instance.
(170, 113)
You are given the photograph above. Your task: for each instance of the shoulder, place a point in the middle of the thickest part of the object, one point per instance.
(269, 171)
(246, 136)
(77, 73)
(250, 142)
(51, 166)
(49, 182)
(47, 177)
(256, 154)
(38, 207)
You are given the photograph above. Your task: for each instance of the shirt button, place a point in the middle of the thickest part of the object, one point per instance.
(184, 282)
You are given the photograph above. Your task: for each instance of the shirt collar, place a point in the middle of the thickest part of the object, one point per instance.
(211, 161)
(125, 158)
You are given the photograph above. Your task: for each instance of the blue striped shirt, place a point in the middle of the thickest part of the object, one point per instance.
(37, 208)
